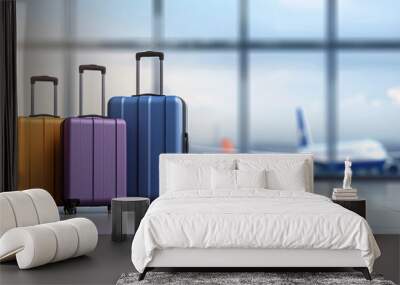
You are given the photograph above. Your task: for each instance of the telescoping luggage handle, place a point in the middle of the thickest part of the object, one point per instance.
(148, 53)
(43, 78)
(102, 69)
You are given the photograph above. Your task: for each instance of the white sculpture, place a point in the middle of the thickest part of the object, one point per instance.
(347, 174)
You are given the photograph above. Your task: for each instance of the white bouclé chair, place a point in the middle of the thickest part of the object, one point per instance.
(31, 230)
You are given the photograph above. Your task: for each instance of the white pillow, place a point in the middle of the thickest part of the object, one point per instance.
(251, 178)
(188, 177)
(282, 174)
(235, 179)
(223, 179)
(292, 180)
(191, 174)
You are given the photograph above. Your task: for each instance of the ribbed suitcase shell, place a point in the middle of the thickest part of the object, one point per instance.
(39, 147)
(40, 155)
(94, 160)
(94, 154)
(155, 124)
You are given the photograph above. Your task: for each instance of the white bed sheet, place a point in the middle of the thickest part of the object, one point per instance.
(250, 218)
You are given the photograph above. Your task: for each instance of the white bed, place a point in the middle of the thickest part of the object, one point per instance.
(289, 226)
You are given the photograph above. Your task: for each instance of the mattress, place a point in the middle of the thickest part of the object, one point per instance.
(250, 219)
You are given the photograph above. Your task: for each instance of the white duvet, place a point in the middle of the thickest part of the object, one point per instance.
(250, 219)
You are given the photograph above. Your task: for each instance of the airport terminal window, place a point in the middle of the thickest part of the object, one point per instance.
(30, 62)
(285, 19)
(369, 108)
(119, 20)
(33, 25)
(228, 60)
(120, 77)
(210, 91)
(275, 104)
(207, 19)
(368, 19)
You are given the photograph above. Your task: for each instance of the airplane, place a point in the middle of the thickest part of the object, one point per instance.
(366, 155)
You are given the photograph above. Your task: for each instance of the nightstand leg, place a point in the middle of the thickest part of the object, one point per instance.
(116, 217)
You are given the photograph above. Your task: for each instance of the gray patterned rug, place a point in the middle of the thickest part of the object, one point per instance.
(228, 278)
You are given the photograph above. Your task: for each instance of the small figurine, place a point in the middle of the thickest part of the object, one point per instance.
(347, 174)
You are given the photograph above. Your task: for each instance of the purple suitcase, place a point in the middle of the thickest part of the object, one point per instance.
(94, 155)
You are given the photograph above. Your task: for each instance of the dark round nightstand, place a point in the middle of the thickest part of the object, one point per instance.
(358, 206)
(138, 205)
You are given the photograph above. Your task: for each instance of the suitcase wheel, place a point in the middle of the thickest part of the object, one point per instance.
(70, 206)
(69, 210)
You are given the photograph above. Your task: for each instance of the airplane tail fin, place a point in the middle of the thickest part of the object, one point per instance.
(227, 145)
(303, 131)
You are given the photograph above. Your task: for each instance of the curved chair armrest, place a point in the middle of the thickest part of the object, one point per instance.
(32, 246)
(41, 244)
(26, 208)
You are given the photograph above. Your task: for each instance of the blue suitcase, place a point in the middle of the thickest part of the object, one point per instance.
(155, 124)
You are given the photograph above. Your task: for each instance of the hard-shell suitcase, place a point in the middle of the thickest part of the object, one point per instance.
(94, 155)
(39, 147)
(155, 124)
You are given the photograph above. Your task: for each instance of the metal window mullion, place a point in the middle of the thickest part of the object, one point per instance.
(243, 101)
(157, 38)
(331, 81)
(204, 45)
(70, 17)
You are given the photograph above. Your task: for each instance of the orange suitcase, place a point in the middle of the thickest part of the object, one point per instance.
(39, 148)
